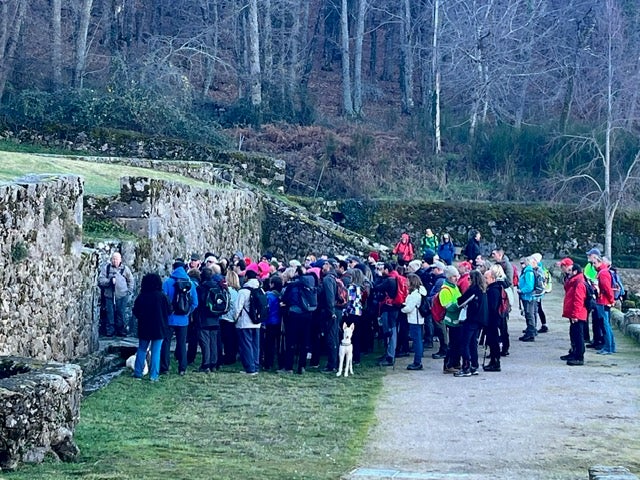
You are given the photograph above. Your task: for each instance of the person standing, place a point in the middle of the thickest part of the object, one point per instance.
(477, 314)
(472, 250)
(152, 310)
(428, 242)
(446, 249)
(495, 319)
(332, 315)
(117, 283)
(248, 332)
(404, 249)
(526, 286)
(574, 308)
(604, 302)
(178, 322)
(415, 319)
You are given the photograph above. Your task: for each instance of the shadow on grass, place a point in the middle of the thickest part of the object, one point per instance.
(222, 425)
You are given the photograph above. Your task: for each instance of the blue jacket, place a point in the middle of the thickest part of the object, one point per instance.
(168, 288)
(274, 309)
(526, 283)
(446, 251)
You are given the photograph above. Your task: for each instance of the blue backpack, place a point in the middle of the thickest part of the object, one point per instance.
(616, 284)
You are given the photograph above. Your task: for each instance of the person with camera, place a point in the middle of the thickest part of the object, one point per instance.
(116, 281)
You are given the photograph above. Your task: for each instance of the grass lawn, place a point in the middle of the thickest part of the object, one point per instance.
(99, 178)
(223, 425)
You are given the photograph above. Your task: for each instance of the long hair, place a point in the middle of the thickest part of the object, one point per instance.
(414, 282)
(477, 278)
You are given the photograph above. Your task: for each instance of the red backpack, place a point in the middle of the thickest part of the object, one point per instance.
(342, 294)
(402, 290)
(504, 307)
(438, 311)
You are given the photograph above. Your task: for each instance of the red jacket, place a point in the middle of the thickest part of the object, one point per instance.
(575, 295)
(464, 282)
(605, 290)
(404, 248)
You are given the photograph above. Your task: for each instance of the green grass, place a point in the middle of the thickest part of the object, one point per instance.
(223, 425)
(99, 178)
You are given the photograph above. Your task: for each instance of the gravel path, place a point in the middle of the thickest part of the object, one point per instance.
(537, 419)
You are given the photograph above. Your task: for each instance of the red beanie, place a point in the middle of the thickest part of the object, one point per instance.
(375, 256)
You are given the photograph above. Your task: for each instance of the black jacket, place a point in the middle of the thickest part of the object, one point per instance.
(477, 310)
(494, 297)
(152, 310)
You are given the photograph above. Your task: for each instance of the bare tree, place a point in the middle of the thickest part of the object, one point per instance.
(253, 34)
(81, 42)
(13, 14)
(347, 102)
(610, 172)
(56, 43)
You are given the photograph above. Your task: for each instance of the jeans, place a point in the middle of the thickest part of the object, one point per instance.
(141, 356)
(604, 313)
(390, 328)
(181, 349)
(530, 309)
(249, 346)
(415, 331)
(469, 344)
(115, 316)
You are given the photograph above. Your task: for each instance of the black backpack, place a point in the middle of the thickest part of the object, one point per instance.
(218, 300)
(181, 301)
(424, 308)
(591, 296)
(258, 305)
(308, 297)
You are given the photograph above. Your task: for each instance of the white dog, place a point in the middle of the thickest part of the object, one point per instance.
(131, 364)
(346, 350)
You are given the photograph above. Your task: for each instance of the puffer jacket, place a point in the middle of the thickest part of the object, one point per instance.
(242, 305)
(411, 305)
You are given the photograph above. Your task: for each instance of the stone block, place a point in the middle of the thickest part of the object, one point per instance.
(604, 472)
(39, 410)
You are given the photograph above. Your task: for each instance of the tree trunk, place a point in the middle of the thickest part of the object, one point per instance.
(10, 42)
(406, 58)
(357, 60)
(435, 69)
(81, 43)
(267, 42)
(210, 16)
(56, 43)
(347, 103)
(255, 83)
(373, 51)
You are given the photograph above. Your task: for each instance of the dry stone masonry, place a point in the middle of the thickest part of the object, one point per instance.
(39, 409)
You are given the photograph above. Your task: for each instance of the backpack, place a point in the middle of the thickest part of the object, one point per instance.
(308, 298)
(516, 278)
(616, 285)
(538, 282)
(402, 292)
(342, 294)
(504, 307)
(424, 308)
(547, 281)
(438, 311)
(590, 297)
(258, 305)
(181, 301)
(218, 301)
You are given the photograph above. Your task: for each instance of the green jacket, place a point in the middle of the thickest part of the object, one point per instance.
(429, 243)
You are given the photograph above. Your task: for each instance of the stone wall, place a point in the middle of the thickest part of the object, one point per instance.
(46, 277)
(39, 409)
(173, 219)
(522, 229)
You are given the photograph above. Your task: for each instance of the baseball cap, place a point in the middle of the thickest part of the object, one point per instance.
(565, 262)
(294, 263)
(195, 256)
(594, 251)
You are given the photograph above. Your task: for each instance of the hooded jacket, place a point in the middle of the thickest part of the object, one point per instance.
(411, 305)
(168, 287)
(242, 305)
(575, 295)
(526, 283)
(404, 248)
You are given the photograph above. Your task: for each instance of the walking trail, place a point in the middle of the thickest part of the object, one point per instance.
(537, 419)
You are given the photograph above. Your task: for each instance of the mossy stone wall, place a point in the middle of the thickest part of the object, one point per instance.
(521, 229)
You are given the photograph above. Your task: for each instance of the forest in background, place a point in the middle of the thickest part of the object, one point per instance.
(521, 100)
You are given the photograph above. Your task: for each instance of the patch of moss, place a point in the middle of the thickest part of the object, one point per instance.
(19, 252)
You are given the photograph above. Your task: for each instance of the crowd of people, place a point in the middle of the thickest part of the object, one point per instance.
(286, 317)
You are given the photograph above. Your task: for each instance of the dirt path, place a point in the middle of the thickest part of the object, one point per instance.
(537, 419)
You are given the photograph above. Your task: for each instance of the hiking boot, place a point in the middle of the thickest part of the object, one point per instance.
(463, 372)
(527, 338)
(474, 371)
(575, 362)
(438, 355)
(567, 357)
(388, 362)
(492, 367)
(543, 329)
(504, 353)
(450, 370)
(413, 366)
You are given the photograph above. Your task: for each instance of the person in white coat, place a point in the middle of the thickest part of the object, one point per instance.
(248, 332)
(415, 319)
